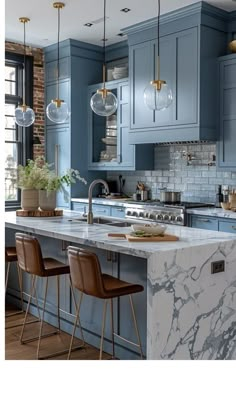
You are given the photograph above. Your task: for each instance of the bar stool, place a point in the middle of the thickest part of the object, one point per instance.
(30, 260)
(87, 277)
(11, 256)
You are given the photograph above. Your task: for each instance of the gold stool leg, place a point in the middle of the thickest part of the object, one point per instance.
(74, 327)
(103, 327)
(73, 298)
(58, 302)
(27, 309)
(136, 326)
(42, 319)
(112, 330)
(7, 276)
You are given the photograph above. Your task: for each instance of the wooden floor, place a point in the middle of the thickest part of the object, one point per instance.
(16, 351)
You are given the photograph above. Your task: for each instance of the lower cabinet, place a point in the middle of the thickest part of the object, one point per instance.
(227, 226)
(202, 222)
(100, 209)
(212, 223)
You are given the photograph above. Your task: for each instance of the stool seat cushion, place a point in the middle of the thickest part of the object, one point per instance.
(114, 287)
(54, 267)
(10, 254)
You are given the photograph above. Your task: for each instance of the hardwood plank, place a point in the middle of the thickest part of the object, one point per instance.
(16, 351)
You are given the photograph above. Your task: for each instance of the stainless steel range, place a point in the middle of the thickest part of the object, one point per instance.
(174, 214)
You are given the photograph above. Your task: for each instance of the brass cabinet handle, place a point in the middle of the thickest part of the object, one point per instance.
(233, 227)
(205, 220)
(56, 158)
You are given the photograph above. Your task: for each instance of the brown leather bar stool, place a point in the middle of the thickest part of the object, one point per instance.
(30, 260)
(87, 277)
(10, 257)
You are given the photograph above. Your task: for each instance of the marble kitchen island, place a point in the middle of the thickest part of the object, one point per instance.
(186, 312)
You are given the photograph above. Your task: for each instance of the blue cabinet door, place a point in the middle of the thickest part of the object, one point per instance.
(202, 222)
(118, 212)
(227, 226)
(179, 55)
(58, 153)
(227, 110)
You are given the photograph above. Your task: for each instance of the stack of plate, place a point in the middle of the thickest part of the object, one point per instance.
(120, 72)
(109, 140)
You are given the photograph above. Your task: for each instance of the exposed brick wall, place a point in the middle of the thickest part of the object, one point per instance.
(38, 91)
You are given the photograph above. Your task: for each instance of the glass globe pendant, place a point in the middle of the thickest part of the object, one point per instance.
(24, 115)
(104, 102)
(157, 94)
(58, 110)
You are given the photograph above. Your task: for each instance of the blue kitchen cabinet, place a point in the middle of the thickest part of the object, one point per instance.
(226, 158)
(81, 207)
(203, 222)
(117, 211)
(66, 144)
(227, 226)
(191, 40)
(119, 155)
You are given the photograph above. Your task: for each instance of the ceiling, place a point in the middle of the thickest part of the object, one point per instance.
(41, 31)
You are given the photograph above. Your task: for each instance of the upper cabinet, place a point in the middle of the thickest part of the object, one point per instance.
(227, 113)
(109, 148)
(191, 39)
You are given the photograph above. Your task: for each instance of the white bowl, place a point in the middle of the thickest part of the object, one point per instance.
(151, 228)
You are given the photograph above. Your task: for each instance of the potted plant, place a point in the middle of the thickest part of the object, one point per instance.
(28, 180)
(39, 184)
(51, 183)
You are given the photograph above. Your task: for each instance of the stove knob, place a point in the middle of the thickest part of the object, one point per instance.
(146, 214)
(166, 217)
(141, 214)
(129, 213)
(135, 214)
(152, 216)
(159, 217)
(179, 219)
(172, 218)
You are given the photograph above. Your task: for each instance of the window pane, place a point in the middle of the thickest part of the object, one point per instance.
(10, 135)
(10, 73)
(10, 122)
(11, 158)
(10, 109)
(10, 87)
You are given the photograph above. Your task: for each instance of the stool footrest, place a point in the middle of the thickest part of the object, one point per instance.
(14, 313)
(58, 353)
(125, 339)
(22, 323)
(37, 338)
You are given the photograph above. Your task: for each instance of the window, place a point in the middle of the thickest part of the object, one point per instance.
(18, 140)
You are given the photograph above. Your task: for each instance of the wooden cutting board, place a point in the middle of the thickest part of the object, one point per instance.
(131, 238)
(39, 213)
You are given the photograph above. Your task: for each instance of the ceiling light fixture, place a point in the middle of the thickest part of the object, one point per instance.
(157, 95)
(24, 115)
(88, 24)
(58, 110)
(104, 102)
(125, 10)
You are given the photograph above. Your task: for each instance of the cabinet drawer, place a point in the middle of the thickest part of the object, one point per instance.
(79, 207)
(101, 210)
(118, 212)
(227, 226)
(200, 222)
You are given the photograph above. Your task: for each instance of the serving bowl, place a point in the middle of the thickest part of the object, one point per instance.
(153, 229)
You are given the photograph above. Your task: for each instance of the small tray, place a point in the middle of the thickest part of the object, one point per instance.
(39, 213)
(131, 238)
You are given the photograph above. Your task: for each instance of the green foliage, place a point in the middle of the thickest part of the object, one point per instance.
(37, 174)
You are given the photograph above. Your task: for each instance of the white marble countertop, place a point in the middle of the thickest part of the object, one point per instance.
(69, 229)
(213, 212)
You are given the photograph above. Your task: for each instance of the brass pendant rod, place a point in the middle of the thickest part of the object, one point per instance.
(58, 50)
(24, 78)
(158, 40)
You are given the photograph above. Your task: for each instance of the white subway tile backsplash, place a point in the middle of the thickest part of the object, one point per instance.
(197, 180)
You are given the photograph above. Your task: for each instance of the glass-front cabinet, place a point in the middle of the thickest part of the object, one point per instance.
(109, 147)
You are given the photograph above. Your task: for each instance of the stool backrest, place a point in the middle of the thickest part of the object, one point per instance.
(85, 271)
(29, 254)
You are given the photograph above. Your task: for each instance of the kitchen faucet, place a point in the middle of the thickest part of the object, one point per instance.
(90, 192)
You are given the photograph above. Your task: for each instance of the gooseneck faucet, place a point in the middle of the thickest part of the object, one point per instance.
(90, 192)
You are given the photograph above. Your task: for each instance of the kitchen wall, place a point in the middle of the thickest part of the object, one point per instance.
(198, 180)
(38, 91)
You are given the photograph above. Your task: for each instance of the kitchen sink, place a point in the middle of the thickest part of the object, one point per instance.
(104, 221)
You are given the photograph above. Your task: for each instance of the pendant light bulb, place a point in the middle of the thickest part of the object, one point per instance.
(58, 110)
(157, 94)
(24, 115)
(104, 102)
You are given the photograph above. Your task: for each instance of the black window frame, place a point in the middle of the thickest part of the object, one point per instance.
(24, 134)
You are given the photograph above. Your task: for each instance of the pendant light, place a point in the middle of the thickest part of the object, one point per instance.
(104, 102)
(24, 115)
(58, 110)
(157, 95)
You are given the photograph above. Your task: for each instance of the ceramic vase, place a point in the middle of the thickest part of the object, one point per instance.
(47, 200)
(29, 199)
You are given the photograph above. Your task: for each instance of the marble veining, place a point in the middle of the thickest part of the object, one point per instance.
(213, 212)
